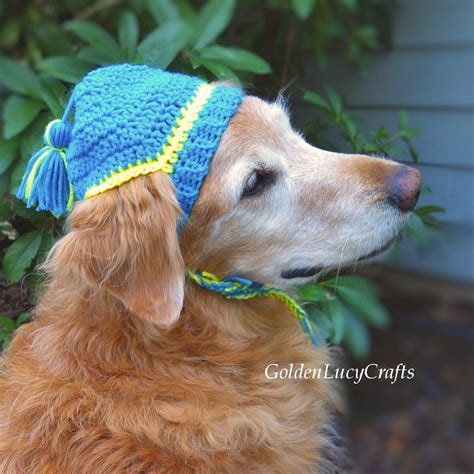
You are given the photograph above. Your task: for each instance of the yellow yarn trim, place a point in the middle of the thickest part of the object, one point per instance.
(163, 160)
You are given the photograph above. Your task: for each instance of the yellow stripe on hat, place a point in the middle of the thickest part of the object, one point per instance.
(163, 161)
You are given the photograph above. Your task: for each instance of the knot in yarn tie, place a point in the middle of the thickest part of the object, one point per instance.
(58, 134)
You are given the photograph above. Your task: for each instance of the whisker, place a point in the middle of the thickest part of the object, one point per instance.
(340, 261)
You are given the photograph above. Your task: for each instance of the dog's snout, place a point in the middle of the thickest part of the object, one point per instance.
(404, 187)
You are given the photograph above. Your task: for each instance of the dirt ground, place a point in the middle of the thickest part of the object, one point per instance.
(423, 425)
(14, 299)
(419, 426)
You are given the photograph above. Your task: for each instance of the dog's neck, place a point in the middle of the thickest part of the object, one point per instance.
(242, 289)
(208, 325)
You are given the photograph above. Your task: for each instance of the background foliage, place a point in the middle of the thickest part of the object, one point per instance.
(266, 46)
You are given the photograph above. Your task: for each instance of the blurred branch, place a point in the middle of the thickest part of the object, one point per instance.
(290, 39)
(96, 8)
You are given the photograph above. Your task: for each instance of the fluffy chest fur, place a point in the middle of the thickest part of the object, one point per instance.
(90, 393)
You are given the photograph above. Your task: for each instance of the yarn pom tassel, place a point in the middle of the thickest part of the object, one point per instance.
(46, 185)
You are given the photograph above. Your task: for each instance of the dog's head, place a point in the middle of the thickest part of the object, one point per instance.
(273, 209)
(277, 210)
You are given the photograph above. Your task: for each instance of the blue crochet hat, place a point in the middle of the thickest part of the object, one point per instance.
(130, 120)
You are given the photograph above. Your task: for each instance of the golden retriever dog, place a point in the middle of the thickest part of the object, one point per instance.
(130, 367)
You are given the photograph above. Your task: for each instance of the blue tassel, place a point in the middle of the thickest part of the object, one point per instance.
(46, 185)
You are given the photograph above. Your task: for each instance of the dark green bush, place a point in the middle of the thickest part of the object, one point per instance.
(48, 46)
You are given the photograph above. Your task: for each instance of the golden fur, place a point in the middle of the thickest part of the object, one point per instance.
(121, 373)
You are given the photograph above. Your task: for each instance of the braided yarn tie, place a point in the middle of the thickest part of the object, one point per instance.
(233, 287)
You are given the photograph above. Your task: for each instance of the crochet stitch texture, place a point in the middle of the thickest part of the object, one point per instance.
(131, 120)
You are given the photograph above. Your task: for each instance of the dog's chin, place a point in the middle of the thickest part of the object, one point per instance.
(377, 251)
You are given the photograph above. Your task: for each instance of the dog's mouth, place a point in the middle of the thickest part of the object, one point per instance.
(304, 272)
(379, 250)
(307, 272)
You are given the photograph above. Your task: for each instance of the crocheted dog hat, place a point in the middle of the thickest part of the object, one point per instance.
(130, 120)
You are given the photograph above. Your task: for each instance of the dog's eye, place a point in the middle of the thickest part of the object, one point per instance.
(258, 181)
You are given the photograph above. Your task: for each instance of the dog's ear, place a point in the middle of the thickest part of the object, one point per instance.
(125, 242)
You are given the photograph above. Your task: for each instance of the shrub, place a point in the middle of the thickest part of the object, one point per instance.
(50, 45)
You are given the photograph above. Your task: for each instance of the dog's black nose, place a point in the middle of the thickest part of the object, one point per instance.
(404, 188)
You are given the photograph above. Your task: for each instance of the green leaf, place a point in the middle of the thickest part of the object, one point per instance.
(408, 132)
(18, 78)
(163, 11)
(65, 68)
(8, 152)
(382, 132)
(31, 142)
(7, 323)
(4, 182)
(22, 317)
(349, 124)
(402, 119)
(322, 58)
(411, 149)
(356, 337)
(194, 59)
(430, 221)
(365, 304)
(32, 138)
(10, 32)
(416, 230)
(162, 45)
(316, 100)
(91, 55)
(236, 58)
(18, 113)
(320, 320)
(212, 20)
(54, 40)
(336, 312)
(47, 242)
(5, 338)
(97, 37)
(219, 70)
(20, 255)
(128, 31)
(54, 95)
(421, 211)
(335, 99)
(352, 281)
(425, 190)
(351, 4)
(358, 142)
(313, 292)
(361, 295)
(392, 149)
(367, 35)
(17, 172)
(371, 147)
(5, 211)
(32, 215)
(303, 8)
